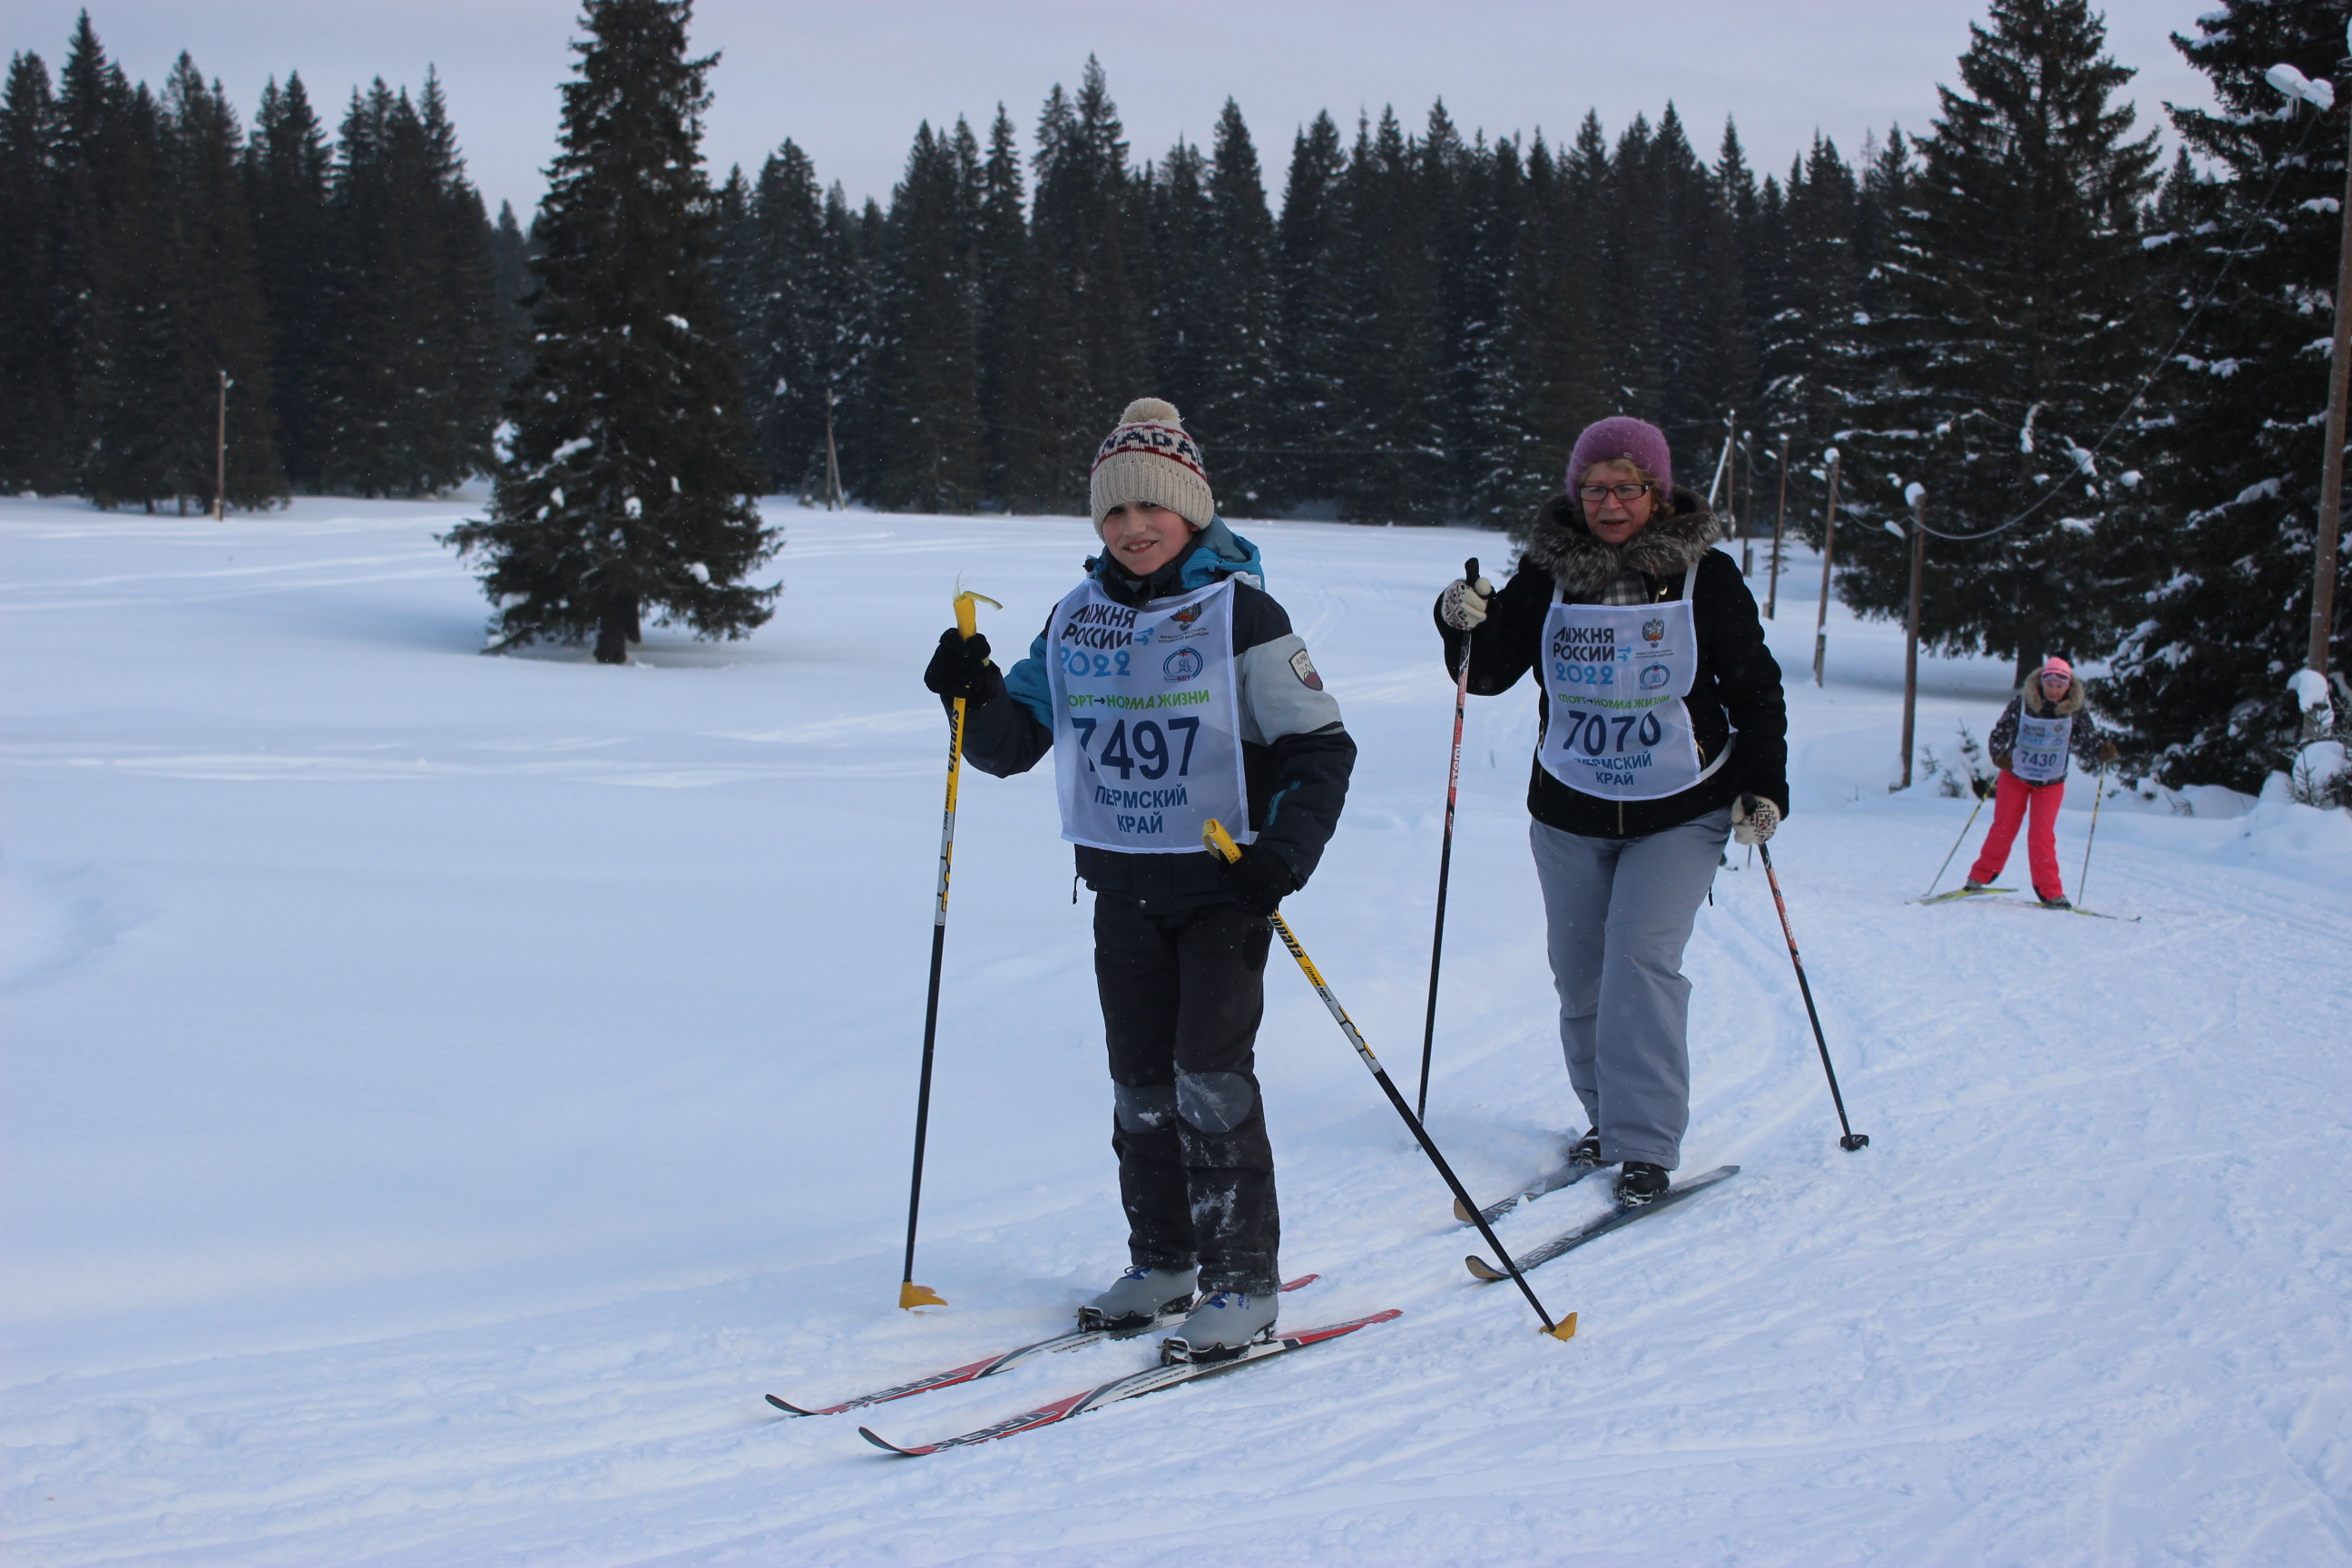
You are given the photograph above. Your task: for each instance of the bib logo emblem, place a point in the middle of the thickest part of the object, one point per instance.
(1654, 676)
(1653, 630)
(1187, 615)
(1183, 665)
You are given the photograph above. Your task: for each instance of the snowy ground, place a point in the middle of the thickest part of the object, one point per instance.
(442, 1093)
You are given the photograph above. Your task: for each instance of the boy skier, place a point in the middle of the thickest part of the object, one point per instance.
(2028, 744)
(1171, 688)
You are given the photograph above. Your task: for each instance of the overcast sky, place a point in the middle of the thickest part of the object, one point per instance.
(850, 82)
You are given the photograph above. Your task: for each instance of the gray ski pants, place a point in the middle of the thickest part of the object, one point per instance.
(1618, 913)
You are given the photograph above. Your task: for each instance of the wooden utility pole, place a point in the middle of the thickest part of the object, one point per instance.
(832, 498)
(1829, 549)
(1780, 524)
(1747, 540)
(2331, 480)
(1917, 495)
(220, 455)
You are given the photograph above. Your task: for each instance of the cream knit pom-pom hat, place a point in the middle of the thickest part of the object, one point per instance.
(1151, 459)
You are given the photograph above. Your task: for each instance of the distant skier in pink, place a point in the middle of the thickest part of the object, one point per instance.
(2030, 744)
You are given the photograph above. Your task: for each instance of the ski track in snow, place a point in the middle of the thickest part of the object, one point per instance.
(415, 1159)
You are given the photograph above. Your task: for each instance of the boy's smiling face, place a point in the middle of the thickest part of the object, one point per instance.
(1143, 538)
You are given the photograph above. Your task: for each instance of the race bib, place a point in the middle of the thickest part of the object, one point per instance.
(1615, 676)
(1147, 720)
(2040, 754)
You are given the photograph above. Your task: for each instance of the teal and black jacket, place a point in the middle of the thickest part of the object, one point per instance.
(1297, 754)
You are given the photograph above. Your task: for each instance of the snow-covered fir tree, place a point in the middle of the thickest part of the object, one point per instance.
(2016, 332)
(2200, 675)
(36, 334)
(928, 446)
(1237, 415)
(288, 166)
(628, 489)
(416, 357)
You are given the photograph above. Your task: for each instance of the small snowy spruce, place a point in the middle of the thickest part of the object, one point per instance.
(630, 460)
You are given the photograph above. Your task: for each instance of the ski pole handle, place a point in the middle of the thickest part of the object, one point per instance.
(1220, 842)
(967, 612)
(1470, 570)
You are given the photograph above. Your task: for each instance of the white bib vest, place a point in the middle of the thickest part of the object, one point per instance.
(1616, 676)
(1147, 719)
(2040, 754)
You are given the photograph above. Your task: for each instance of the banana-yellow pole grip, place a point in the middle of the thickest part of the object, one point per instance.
(967, 609)
(1220, 842)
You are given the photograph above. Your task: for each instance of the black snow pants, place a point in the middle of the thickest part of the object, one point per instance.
(1182, 997)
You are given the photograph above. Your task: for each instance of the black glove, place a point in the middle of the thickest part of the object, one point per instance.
(1260, 880)
(960, 668)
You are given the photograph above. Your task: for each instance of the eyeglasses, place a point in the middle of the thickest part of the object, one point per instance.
(1598, 493)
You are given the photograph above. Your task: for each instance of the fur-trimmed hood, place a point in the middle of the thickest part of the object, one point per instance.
(1668, 545)
(2030, 696)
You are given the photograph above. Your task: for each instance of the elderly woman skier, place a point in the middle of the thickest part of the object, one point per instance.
(1663, 733)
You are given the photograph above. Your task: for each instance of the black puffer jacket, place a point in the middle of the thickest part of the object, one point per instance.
(1738, 687)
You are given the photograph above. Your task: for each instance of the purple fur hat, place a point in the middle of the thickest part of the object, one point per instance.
(1622, 438)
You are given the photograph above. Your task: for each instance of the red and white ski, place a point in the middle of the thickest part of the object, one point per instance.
(1129, 1387)
(990, 1366)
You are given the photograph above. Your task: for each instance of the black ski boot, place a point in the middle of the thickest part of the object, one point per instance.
(1586, 1151)
(2060, 902)
(1639, 1182)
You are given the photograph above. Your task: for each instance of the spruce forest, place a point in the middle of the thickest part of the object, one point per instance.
(2109, 374)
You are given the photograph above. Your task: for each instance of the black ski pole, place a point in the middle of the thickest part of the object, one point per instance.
(1445, 855)
(1963, 838)
(1222, 845)
(967, 613)
(1851, 1139)
(2098, 793)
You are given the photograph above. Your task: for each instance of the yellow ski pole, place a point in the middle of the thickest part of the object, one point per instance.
(1222, 845)
(967, 615)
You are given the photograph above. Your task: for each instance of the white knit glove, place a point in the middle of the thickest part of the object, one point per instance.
(1753, 819)
(1463, 605)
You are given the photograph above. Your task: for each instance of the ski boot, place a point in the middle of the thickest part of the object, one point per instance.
(2060, 902)
(1586, 1151)
(1639, 1182)
(1141, 1298)
(1222, 1326)
(1972, 886)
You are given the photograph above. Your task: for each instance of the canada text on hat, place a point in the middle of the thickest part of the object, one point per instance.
(1151, 459)
(1173, 442)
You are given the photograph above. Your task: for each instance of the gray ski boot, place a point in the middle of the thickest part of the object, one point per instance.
(1140, 1299)
(1222, 1326)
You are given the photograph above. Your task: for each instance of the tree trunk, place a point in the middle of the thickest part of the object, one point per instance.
(612, 634)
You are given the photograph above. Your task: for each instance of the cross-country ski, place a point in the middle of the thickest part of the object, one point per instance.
(1957, 893)
(1149, 1381)
(1618, 1217)
(1552, 1181)
(991, 1366)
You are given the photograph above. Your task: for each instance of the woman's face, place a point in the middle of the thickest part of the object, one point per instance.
(2053, 687)
(1143, 538)
(1612, 517)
